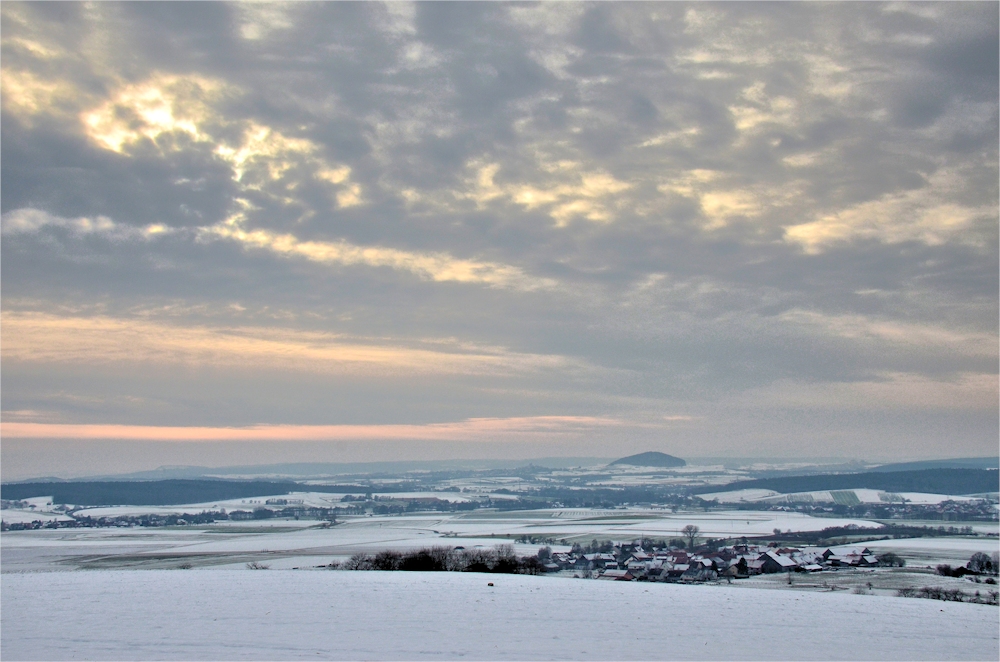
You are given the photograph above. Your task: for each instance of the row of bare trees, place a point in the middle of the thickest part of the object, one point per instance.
(500, 558)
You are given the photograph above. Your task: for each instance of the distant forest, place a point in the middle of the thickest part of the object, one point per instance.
(165, 492)
(934, 481)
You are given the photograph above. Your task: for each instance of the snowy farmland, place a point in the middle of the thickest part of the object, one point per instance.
(301, 543)
(843, 497)
(244, 614)
(185, 592)
(932, 551)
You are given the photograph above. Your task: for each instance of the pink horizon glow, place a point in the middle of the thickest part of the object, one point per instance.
(469, 429)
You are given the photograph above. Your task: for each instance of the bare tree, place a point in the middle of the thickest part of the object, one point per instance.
(690, 532)
(980, 562)
(891, 560)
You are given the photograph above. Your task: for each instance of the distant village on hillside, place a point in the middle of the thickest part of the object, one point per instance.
(634, 562)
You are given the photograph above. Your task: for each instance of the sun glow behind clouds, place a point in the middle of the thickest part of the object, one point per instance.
(187, 107)
(162, 105)
(474, 429)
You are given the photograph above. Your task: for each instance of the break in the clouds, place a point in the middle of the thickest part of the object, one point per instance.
(729, 228)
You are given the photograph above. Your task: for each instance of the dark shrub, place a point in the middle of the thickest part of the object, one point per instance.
(506, 566)
(425, 560)
(531, 565)
(387, 560)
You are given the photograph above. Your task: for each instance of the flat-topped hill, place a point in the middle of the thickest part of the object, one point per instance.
(651, 459)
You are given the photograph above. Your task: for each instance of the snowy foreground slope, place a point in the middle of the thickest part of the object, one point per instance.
(279, 615)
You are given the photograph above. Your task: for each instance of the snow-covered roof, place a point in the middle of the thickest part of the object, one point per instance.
(780, 559)
(616, 574)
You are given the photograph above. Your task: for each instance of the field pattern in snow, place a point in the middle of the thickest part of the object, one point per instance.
(220, 614)
(932, 551)
(371, 534)
(863, 495)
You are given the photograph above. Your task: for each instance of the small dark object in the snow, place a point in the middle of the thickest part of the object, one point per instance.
(490, 584)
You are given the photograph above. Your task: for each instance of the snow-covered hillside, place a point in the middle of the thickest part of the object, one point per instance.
(243, 614)
(845, 497)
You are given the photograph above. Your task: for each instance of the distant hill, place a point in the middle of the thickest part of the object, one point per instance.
(934, 481)
(308, 470)
(956, 463)
(651, 459)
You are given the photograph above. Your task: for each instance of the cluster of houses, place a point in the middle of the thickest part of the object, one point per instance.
(738, 561)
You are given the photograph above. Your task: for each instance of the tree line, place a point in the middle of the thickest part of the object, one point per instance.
(498, 559)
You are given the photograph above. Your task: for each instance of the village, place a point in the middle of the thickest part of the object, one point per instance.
(635, 562)
(842, 567)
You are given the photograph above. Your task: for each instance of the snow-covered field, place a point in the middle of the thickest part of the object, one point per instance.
(308, 499)
(736, 496)
(847, 497)
(309, 543)
(931, 551)
(880, 582)
(35, 509)
(22, 516)
(283, 615)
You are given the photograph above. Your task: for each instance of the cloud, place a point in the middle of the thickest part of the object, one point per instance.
(62, 340)
(451, 211)
(430, 266)
(891, 390)
(30, 221)
(897, 332)
(439, 267)
(258, 20)
(26, 95)
(585, 195)
(756, 109)
(162, 105)
(930, 214)
(172, 111)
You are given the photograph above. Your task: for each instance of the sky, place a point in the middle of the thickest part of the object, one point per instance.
(251, 233)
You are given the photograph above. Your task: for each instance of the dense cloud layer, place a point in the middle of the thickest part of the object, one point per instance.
(730, 228)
